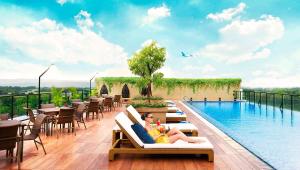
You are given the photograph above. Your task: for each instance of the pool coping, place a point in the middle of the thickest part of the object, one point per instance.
(229, 140)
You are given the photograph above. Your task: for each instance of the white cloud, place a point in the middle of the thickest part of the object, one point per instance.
(83, 20)
(273, 81)
(154, 14)
(245, 40)
(49, 41)
(62, 2)
(227, 14)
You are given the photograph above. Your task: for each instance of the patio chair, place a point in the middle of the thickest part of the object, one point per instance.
(117, 100)
(175, 115)
(187, 128)
(8, 139)
(93, 108)
(79, 114)
(31, 119)
(4, 116)
(35, 131)
(108, 104)
(65, 116)
(44, 106)
(139, 147)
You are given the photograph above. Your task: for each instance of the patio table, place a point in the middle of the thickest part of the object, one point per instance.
(8, 123)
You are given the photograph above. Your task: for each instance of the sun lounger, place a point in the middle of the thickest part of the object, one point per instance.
(187, 128)
(179, 147)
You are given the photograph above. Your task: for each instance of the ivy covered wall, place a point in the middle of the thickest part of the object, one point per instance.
(176, 88)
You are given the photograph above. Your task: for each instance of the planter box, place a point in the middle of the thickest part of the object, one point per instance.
(158, 113)
(146, 101)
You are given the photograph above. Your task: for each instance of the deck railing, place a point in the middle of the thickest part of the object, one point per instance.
(14, 103)
(281, 100)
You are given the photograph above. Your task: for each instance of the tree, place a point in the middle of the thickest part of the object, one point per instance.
(145, 63)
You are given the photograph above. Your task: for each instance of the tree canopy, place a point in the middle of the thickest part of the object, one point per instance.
(146, 62)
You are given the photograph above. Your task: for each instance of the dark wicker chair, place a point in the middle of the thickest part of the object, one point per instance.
(4, 116)
(93, 108)
(117, 100)
(31, 118)
(66, 116)
(35, 131)
(8, 139)
(108, 104)
(79, 114)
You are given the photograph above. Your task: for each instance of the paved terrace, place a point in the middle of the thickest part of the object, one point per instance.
(89, 150)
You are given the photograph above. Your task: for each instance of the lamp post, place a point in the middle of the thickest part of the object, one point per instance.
(91, 83)
(39, 102)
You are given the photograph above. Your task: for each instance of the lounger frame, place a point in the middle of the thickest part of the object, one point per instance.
(137, 149)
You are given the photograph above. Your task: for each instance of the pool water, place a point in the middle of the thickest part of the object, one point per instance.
(271, 134)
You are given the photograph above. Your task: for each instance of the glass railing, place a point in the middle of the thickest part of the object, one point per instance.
(13, 103)
(281, 100)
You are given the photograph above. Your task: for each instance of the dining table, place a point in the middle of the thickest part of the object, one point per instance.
(8, 123)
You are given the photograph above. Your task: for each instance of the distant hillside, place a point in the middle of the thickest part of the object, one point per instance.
(44, 83)
(277, 90)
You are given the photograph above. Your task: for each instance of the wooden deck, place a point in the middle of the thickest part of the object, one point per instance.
(89, 150)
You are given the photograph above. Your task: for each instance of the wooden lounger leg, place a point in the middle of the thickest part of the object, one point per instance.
(111, 155)
(211, 156)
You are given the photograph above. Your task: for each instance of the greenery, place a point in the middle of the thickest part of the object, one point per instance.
(145, 63)
(149, 105)
(57, 96)
(171, 83)
(146, 98)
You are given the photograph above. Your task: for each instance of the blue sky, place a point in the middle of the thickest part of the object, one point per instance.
(254, 40)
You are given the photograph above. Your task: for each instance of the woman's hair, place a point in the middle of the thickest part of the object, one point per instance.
(145, 115)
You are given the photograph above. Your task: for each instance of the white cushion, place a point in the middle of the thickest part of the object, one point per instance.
(126, 123)
(171, 105)
(181, 126)
(175, 115)
(182, 145)
(135, 114)
(170, 102)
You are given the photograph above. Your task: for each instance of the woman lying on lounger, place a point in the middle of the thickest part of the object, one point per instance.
(170, 137)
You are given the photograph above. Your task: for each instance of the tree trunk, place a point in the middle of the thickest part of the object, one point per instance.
(149, 91)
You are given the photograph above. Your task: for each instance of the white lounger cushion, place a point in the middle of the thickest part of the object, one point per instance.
(180, 126)
(175, 115)
(181, 144)
(174, 108)
(170, 102)
(136, 115)
(126, 123)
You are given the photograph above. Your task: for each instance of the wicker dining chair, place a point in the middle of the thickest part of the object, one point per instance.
(65, 116)
(79, 114)
(8, 139)
(93, 108)
(117, 100)
(108, 103)
(35, 131)
(31, 119)
(4, 116)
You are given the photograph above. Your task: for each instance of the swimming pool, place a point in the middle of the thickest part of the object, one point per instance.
(271, 134)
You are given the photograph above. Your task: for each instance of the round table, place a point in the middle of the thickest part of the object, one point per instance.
(8, 123)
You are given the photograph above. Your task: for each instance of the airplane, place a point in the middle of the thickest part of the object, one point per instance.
(184, 55)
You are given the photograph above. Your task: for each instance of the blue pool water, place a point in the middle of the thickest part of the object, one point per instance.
(272, 135)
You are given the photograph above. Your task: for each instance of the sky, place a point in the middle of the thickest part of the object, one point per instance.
(257, 41)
